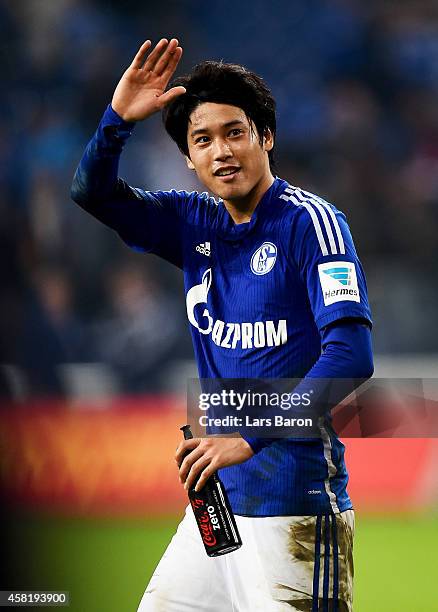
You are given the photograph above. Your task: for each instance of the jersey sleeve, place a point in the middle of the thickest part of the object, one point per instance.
(149, 222)
(324, 252)
(152, 222)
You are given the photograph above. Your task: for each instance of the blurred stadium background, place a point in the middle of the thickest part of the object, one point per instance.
(94, 345)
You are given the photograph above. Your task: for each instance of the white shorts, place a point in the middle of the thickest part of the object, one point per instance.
(286, 563)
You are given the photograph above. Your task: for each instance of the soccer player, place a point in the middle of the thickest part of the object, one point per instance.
(274, 289)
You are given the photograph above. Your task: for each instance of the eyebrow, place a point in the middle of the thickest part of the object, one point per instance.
(224, 125)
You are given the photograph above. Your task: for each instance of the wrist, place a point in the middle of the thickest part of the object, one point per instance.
(112, 117)
(121, 115)
(255, 444)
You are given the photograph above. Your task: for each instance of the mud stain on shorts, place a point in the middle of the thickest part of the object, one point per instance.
(345, 534)
(306, 604)
(301, 546)
(301, 543)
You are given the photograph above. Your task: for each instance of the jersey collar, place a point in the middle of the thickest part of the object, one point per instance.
(229, 231)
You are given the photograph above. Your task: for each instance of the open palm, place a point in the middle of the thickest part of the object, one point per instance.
(141, 90)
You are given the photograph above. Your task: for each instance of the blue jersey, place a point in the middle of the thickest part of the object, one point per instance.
(258, 295)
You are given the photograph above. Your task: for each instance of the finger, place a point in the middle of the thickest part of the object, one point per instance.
(165, 57)
(196, 473)
(170, 96)
(138, 60)
(188, 462)
(185, 447)
(182, 450)
(209, 471)
(172, 64)
(155, 54)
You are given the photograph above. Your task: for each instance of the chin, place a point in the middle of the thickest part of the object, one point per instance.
(232, 192)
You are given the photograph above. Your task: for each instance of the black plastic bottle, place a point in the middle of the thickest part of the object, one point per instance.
(213, 514)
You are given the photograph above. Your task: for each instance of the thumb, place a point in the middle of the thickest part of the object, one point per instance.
(171, 95)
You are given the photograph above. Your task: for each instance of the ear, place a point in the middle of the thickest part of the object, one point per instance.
(189, 163)
(268, 140)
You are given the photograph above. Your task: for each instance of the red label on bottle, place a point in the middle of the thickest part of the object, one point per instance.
(196, 503)
(204, 522)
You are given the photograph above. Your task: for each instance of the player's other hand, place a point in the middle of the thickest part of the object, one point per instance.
(141, 90)
(206, 456)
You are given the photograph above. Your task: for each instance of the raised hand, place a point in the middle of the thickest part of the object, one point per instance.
(141, 91)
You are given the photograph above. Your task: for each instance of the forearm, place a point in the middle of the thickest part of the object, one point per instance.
(347, 355)
(96, 178)
(140, 93)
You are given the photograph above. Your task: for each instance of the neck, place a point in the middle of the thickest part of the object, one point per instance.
(241, 209)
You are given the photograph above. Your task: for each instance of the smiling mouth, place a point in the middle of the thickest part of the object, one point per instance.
(226, 172)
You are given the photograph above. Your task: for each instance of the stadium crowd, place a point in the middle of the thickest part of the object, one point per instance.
(357, 92)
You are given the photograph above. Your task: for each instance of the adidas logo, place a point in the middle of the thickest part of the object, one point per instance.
(342, 275)
(204, 248)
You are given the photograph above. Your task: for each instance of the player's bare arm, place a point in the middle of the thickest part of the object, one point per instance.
(141, 91)
(206, 456)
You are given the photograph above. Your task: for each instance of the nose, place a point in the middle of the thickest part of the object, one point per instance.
(222, 150)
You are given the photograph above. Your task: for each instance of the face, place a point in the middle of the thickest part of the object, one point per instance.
(226, 153)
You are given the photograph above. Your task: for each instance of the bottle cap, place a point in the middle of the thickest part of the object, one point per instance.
(187, 432)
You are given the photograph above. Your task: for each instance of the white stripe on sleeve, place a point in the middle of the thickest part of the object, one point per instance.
(316, 224)
(333, 218)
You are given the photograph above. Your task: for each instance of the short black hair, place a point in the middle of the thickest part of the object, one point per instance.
(220, 83)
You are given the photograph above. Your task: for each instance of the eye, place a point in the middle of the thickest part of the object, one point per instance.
(202, 140)
(236, 132)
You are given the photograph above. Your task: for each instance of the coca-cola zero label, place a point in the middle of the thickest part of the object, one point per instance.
(206, 519)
